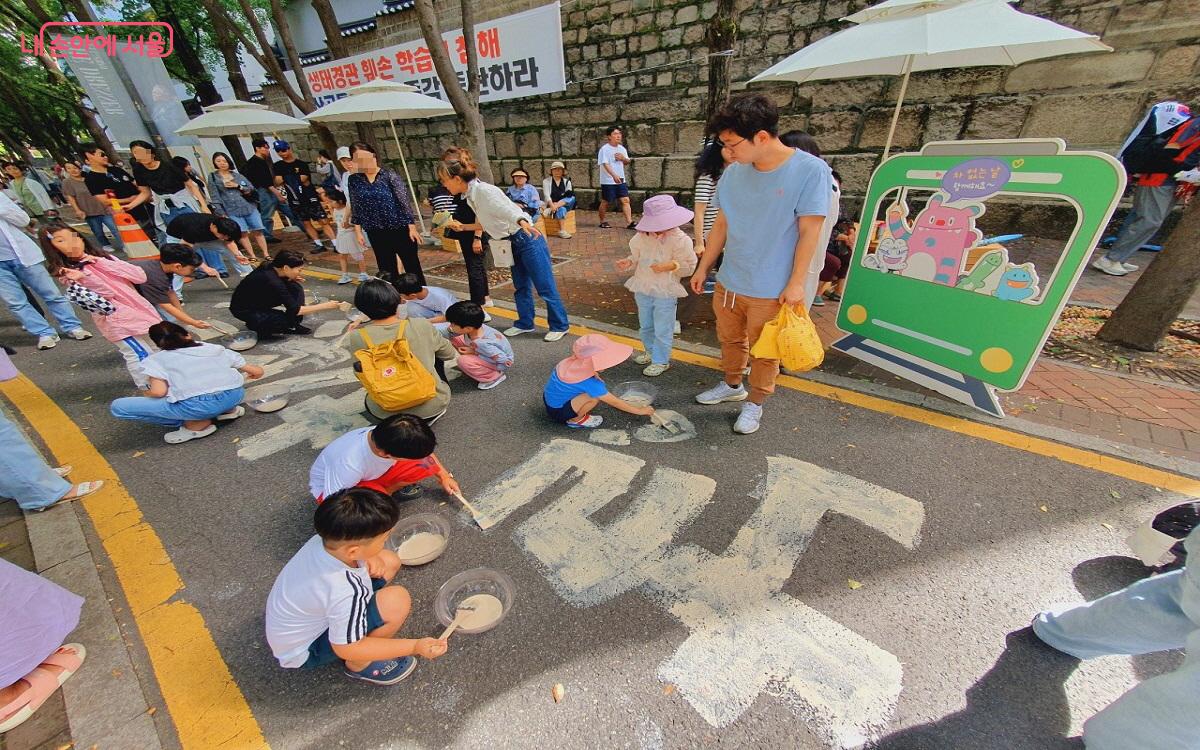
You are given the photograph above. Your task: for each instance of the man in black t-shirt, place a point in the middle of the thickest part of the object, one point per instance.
(215, 237)
(173, 193)
(287, 171)
(103, 177)
(258, 170)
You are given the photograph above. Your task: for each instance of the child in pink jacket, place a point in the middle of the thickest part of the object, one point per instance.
(74, 259)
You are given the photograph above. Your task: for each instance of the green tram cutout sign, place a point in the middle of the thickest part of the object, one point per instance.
(941, 292)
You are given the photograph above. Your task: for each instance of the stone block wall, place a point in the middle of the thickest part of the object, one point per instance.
(642, 64)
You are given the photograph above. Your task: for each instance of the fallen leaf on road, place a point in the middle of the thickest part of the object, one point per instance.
(851, 445)
(1107, 526)
(139, 454)
(557, 692)
(87, 398)
(1043, 509)
(853, 584)
(235, 440)
(151, 711)
(117, 673)
(67, 746)
(1115, 494)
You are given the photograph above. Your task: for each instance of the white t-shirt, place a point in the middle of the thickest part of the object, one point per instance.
(313, 593)
(345, 462)
(195, 370)
(435, 303)
(608, 155)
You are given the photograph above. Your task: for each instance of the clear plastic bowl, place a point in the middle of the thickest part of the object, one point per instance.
(267, 402)
(427, 523)
(637, 392)
(469, 583)
(243, 341)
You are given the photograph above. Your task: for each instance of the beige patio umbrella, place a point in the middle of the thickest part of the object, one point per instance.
(915, 36)
(385, 100)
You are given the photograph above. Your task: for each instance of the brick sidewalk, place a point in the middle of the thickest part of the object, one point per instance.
(1125, 410)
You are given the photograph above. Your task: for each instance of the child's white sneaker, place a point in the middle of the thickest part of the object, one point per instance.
(183, 434)
(232, 414)
(586, 423)
(641, 358)
(489, 385)
(653, 371)
(346, 279)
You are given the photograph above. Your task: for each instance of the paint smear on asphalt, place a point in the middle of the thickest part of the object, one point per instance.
(746, 636)
(330, 329)
(652, 433)
(317, 421)
(609, 437)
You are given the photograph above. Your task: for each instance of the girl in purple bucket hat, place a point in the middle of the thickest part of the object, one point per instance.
(660, 254)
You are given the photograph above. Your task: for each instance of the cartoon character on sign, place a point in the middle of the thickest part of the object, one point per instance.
(891, 256)
(939, 238)
(1019, 283)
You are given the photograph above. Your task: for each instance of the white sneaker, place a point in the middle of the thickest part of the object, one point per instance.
(553, 336)
(346, 279)
(183, 434)
(492, 384)
(79, 334)
(641, 358)
(515, 331)
(364, 276)
(1130, 266)
(1110, 267)
(747, 421)
(487, 317)
(653, 371)
(564, 235)
(677, 328)
(593, 421)
(723, 392)
(47, 342)
(232, 414)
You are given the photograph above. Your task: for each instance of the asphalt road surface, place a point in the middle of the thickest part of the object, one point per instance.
(845, 575)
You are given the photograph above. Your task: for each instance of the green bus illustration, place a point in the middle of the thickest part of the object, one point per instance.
(932, 300)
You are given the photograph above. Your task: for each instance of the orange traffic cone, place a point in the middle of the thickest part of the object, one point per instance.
(137, 244)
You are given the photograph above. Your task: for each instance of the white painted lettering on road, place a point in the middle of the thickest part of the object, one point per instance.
(317, 420)
(746, 636)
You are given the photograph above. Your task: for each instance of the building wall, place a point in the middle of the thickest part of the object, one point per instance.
(642, 64)
(306, 26)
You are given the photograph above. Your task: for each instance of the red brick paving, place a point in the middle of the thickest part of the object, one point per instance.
(1099, 403)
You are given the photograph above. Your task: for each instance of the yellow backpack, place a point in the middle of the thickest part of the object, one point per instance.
(391, 374)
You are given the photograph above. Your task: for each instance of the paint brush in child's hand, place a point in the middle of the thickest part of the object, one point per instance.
(484, 522)
(664, 423)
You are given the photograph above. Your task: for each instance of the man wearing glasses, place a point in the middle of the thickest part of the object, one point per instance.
(771, 202)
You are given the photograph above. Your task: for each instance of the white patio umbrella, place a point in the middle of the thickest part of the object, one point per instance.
(959, 35)
(894, 8)
(239, 118)
(385, 100)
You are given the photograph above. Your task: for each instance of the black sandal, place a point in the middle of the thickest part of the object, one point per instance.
(604, 225)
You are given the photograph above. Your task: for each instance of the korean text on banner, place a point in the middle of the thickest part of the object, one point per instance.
(519, 55)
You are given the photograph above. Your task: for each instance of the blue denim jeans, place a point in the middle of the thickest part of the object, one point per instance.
(24, 475)
(216, 253)
(568, 205)
(168, 414)
(1155, 614)
(1151, 206)
(167, 216)
(97, 225)
(268, 203)
(532, 270)
(12, 275)
(657, 318)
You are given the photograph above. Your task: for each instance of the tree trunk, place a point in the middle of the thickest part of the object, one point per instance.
(472, 119)
(720, 36)
(1155, 301)
(228, 45)
(338, 49)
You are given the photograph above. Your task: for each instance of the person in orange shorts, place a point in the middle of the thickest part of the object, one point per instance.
(390, 457)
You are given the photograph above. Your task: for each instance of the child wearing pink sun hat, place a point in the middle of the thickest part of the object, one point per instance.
(575, 387)
(660, 254)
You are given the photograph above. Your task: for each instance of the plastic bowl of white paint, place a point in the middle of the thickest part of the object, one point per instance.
(636, 392)
(268, 402)
(477, 587)
(243, 341)
(420, 538)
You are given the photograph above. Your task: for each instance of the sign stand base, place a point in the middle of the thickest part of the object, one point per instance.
(955, 385)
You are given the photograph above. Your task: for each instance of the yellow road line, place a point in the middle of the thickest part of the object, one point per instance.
(202, 697)
(1040, 446)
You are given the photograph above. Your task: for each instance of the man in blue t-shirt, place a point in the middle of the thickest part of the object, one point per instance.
(771, 203)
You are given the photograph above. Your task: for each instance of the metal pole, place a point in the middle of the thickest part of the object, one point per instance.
(908, 63)
(412, 193)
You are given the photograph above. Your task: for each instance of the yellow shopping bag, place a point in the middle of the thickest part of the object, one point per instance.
(798, 342)
(766, 346)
